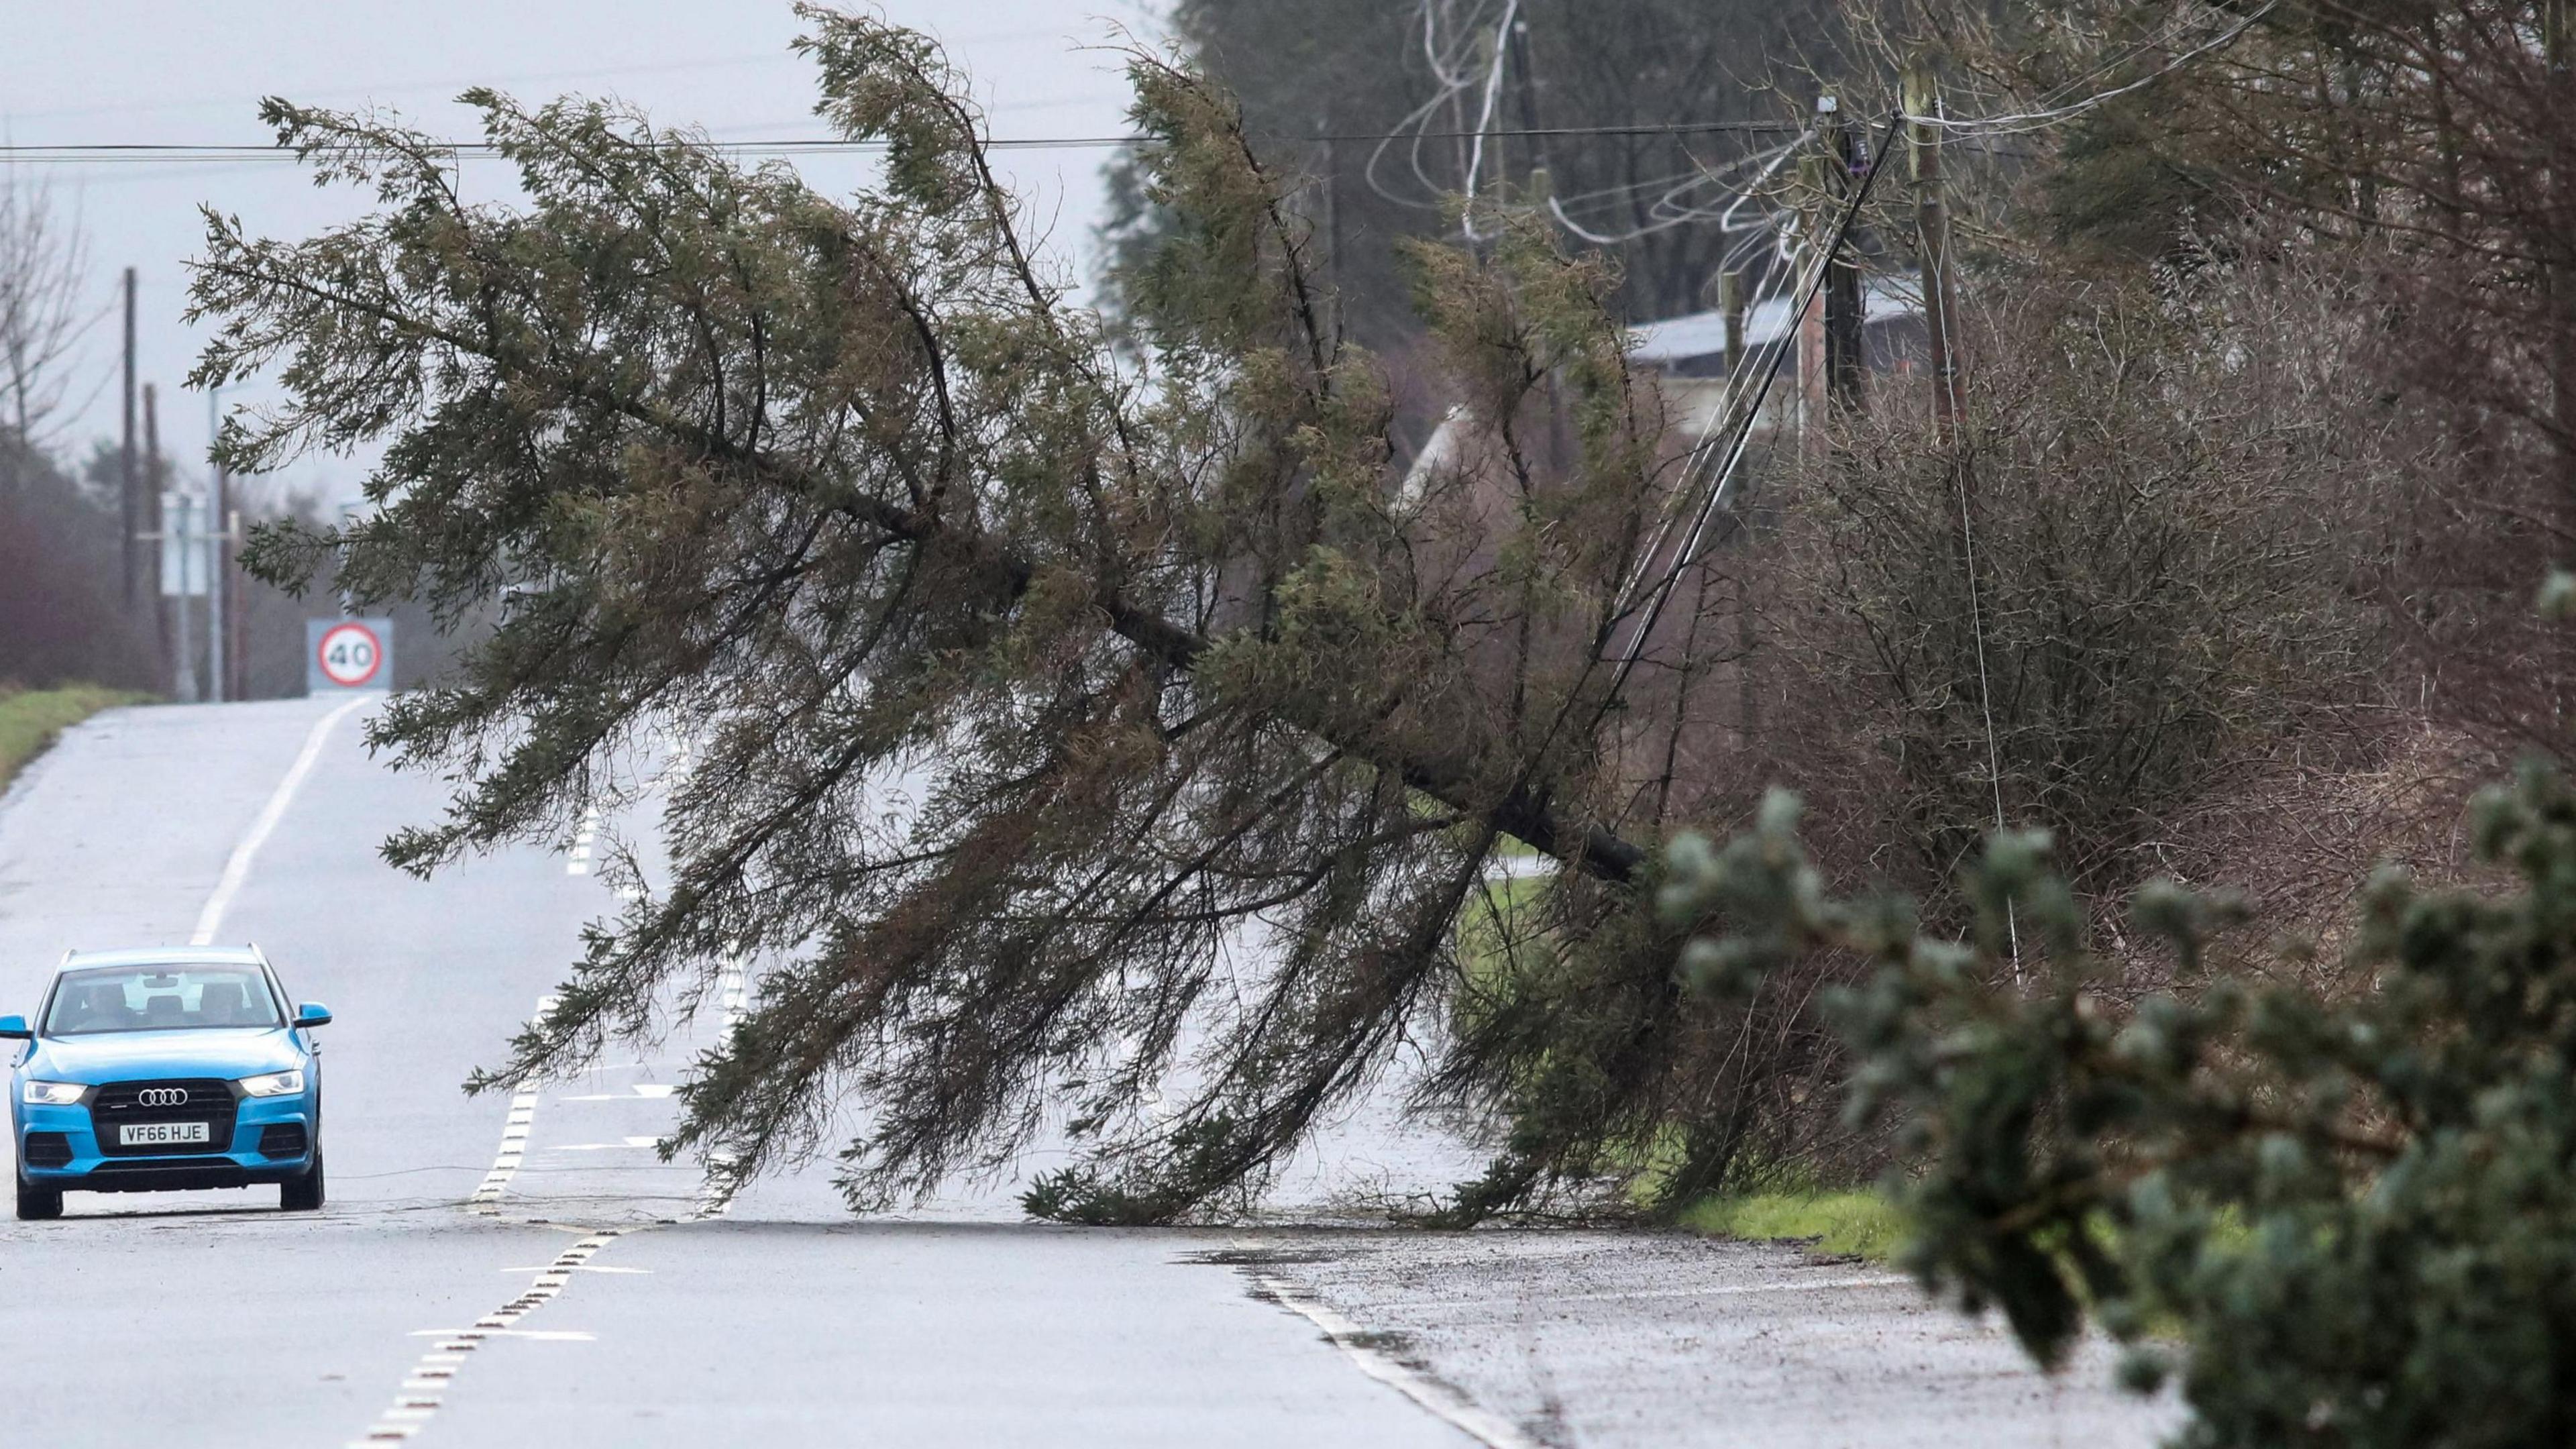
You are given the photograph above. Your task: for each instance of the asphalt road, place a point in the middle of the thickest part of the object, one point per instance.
(526, 1271)
(591, 1296)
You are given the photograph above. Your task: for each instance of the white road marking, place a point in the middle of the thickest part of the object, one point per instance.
(1438, 1399)
(470, 1338)
(422, 1389)
(420, 1397)
(237, 868)
(515, 1131)
(675, 773)
(578, 863)
(716, 1191)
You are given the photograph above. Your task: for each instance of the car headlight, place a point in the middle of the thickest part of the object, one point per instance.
(52, 1094)
(275, 1084)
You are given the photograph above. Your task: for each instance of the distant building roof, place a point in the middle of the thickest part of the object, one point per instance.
(1703, 334)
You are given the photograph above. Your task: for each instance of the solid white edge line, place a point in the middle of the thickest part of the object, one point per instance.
(1434, 1397)
(237, 868)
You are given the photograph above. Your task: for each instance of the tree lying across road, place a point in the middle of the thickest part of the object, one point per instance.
(1211, 729)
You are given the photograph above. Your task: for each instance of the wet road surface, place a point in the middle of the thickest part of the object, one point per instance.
(501, 1271)
(409, 1310)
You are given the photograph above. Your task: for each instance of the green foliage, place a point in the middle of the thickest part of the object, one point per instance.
(63, 616)
(30, 719)
(2114, 190)
(1849, 1223)
(2357, 1214)
(1204, 1163)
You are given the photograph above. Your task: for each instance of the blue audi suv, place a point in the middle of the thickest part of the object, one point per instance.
(180, 1067)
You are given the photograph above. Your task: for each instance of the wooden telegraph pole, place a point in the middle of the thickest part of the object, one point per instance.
(174, 659)
(1730, 304)
(2558, 53)
(1932, 228)
(219, 514)
(1810, 321)
(1830, 364)
(1845, 365)
(127, 508)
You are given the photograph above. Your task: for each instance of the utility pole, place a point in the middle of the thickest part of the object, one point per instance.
(218, 536)
(1333, 233)
(1528, 89)
(1932, 228)
(1845, 365)
(1811, 321)
(1730, 304)
(127, 508)
(236, 607)
(169, 548)
(2558, 54)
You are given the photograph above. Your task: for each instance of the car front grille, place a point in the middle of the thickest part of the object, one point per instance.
(210, 1100)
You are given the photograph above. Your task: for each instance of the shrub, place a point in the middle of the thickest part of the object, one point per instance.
(2357, 1215)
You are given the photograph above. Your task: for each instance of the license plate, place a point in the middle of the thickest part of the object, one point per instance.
(159, 1134)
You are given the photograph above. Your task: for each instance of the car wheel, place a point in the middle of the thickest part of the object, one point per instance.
(303, 1194)
(36, 1204)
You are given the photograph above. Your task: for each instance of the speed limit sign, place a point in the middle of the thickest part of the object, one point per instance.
(347, 654)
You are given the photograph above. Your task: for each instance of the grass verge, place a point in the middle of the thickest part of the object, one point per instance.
(1855, 1224)
(31, 718)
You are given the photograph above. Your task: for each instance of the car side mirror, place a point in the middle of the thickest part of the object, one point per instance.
(312, 1013)
(15, 1028)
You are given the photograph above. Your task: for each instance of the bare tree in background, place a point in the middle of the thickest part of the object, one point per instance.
(44, 255)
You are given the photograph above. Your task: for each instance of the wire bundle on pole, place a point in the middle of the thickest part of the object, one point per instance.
(1730, 443)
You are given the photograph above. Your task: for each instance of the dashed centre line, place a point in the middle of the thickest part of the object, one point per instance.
(423, 1391)
(514, 1140)
(583, 843)
(716, 1192)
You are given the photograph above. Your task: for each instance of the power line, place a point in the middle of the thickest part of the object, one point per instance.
(1740, 428)
(2050, 114)
(782, 55)
(93, 153)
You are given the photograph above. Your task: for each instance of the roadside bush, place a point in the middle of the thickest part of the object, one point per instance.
(63, 614)
(2133, 567)
(2357, 1213)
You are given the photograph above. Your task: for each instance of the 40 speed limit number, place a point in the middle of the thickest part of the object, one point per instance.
(349, 655)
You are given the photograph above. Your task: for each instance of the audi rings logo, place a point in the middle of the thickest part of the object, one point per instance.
(162, 1097)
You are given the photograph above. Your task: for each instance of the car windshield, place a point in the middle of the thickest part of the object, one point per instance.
(160, 998)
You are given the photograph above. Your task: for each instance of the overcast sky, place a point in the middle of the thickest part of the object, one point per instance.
(123, 71)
